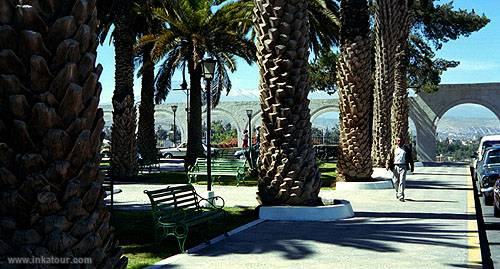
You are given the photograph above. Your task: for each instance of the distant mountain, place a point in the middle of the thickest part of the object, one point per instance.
(467, 127)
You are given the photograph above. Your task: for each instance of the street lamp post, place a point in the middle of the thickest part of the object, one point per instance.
(249, 114)
(184, 88)
(174, 109)
(208, 69)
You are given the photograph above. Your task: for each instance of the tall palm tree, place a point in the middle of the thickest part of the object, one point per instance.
(288, 173)
(192, 29)
(355, 84)
(123, 139)
(146, 136)
(426, 22)
(388, 27)
(51, 196)
(400, 108)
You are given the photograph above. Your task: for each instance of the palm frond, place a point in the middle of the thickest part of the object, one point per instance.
(163, 80)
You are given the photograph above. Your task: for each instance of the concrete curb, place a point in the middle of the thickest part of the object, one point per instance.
(341, 210)
(201, 246)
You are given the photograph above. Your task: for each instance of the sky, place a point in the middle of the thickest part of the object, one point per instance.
(478, 55)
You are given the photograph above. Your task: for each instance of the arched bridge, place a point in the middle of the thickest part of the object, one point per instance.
(425, 111)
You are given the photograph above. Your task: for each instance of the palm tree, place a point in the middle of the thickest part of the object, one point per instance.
(355, 84)
(193, 29)
(426, 23)
(388, 28)
(146, 136)
(123, 139)
(400, 109)
(289, 174)
(51, 196)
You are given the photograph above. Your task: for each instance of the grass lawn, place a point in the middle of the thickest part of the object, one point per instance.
(134, 229)
(327, 170)
(328, 174)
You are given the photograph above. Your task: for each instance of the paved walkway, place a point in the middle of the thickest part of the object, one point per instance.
(435, 228)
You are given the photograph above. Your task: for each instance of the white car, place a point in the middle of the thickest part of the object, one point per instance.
(486, 142)
(180, 151)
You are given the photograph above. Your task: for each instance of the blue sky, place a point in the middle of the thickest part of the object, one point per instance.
(478, 54)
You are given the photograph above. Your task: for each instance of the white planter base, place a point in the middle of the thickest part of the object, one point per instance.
(341, 210)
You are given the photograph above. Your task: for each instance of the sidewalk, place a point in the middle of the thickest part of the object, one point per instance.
(435, 228)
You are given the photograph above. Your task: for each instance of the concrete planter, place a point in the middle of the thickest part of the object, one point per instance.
(341, 209)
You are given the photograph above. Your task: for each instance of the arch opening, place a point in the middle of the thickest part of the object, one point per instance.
(459, 129)
(325, 127)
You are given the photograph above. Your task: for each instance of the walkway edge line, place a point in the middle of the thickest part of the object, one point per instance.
(201, 246)
(474, 253)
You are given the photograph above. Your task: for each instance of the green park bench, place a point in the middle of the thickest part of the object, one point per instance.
(176, 208)
(220, 167)
(108, 184)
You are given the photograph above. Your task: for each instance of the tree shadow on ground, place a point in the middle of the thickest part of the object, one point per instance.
(429, 201)
(435, 184)
(358, 233)
(411, 215)
(438, 173)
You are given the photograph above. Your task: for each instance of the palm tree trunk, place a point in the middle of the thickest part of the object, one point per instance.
(194, 146)
(123, 140)
(355, 92)
(388, 21)
(51, 196)
(146, 137)
(400, 108)
(288, 173)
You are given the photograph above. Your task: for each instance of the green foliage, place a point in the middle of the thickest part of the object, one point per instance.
(424, 71)
(323, 72)
(326, 136)
(456, 150)
(161, 133)
(324, 24)
(192, 28)
(441, 23)
(433, 26)
(222, 132)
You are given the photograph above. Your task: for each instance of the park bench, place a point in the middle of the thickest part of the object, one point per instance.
(177, 208)
(108, 184)
(220, 167)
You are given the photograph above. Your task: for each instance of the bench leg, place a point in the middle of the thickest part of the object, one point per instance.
(182, 241)
(181, 236)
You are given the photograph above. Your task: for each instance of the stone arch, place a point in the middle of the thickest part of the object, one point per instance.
(484, 103)
(180, 122)
(426, 109)
(322, 110)
(256, 117)
(220, 111)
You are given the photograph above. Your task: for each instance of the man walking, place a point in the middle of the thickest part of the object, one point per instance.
(400, 161)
